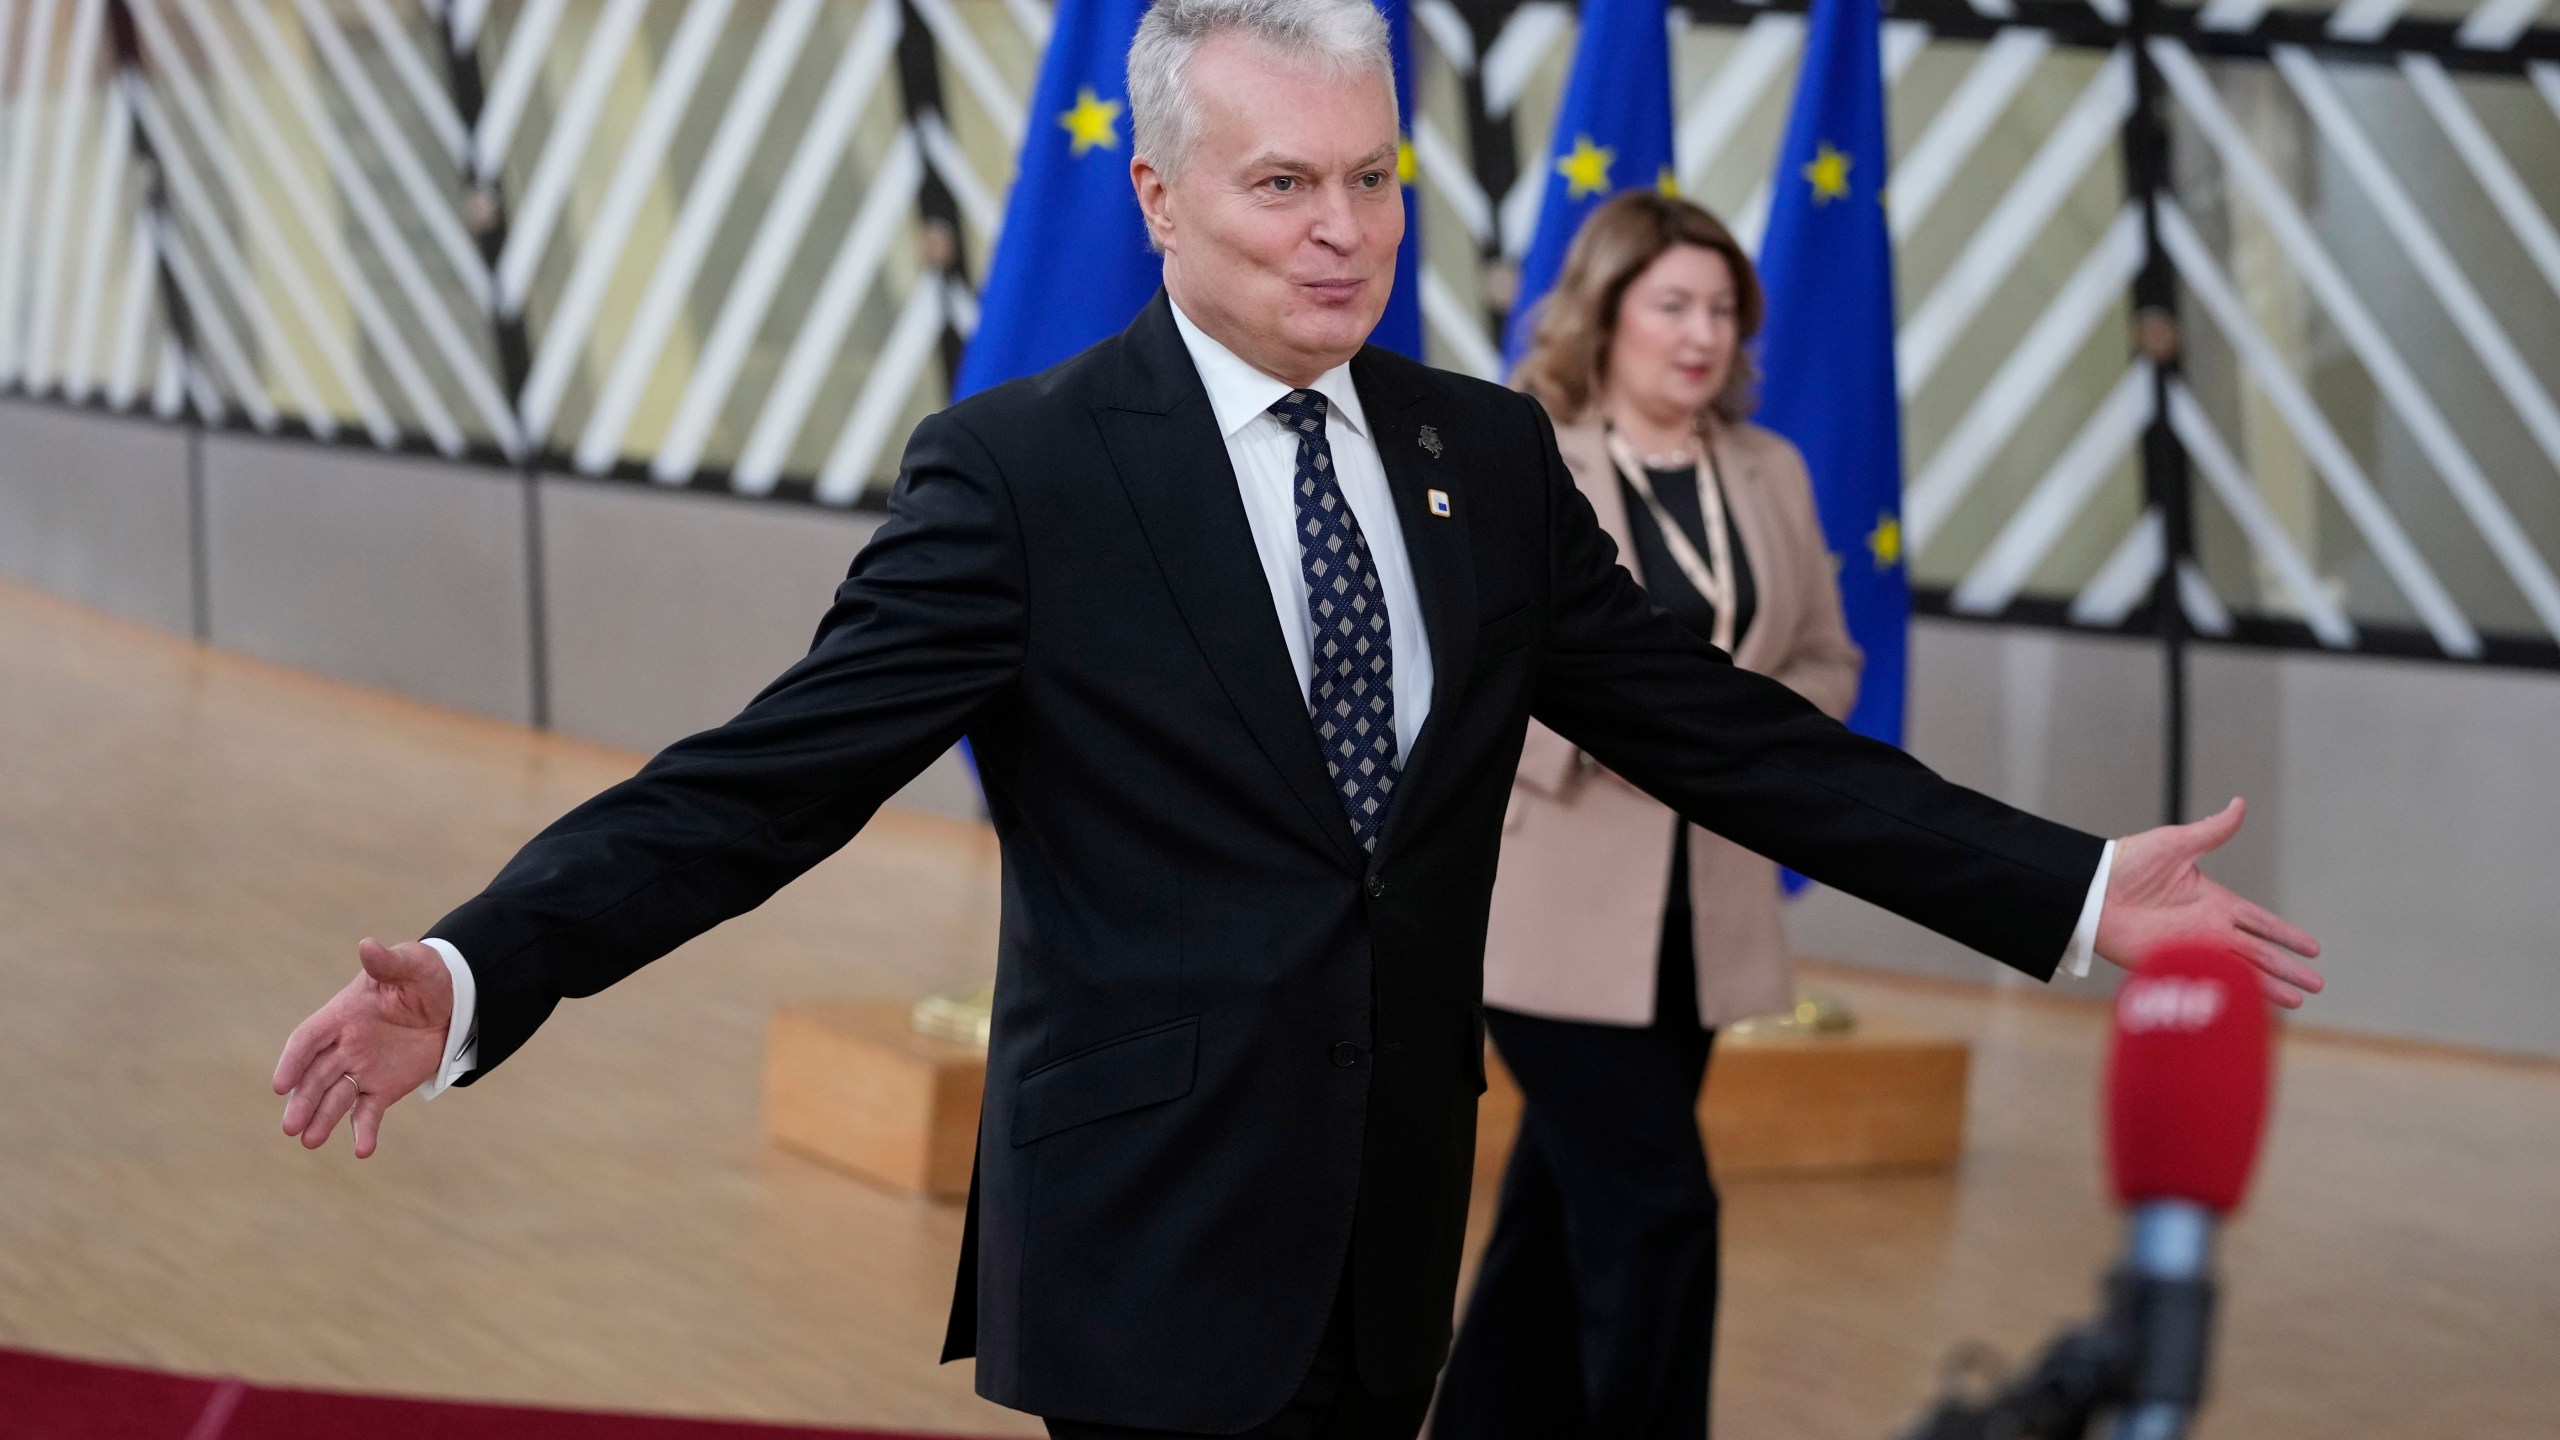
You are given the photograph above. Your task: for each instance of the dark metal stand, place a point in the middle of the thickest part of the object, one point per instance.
(2165, 481)
(937, 210)
(488, 222)
(131, 73)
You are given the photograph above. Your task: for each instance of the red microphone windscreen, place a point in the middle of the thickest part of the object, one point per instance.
(2187, 1081)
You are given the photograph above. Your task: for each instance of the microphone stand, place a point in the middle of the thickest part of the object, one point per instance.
(2144, 1358)
(2079, 1375)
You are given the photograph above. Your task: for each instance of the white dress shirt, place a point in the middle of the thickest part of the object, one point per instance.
(1264, 454)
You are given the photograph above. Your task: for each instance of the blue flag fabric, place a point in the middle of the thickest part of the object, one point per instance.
(1400, 328)
(1072, 267)
(1612, 133)
(1826, 354)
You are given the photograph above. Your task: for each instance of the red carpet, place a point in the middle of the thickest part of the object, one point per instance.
(44, 1397)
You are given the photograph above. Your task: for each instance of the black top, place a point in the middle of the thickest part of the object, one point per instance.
(1675, 983)
(1663, 578)
(1232, 1050)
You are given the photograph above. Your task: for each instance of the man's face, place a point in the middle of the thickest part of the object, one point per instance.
(1280, 230)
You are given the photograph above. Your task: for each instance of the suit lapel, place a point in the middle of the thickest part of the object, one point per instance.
(1173, 464)
(1443, 562)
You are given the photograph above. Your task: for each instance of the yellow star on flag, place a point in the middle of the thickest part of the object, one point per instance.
(1404, 162)
(1828, 173)
(1092, 123)
(1585, 169)
(1667, 182)
(1885, 541)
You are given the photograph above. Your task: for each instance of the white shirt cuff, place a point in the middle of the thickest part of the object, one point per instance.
(2082, 936)
(462, 1037)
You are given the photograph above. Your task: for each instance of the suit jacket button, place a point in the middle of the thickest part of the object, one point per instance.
(1377, 887)
(1346, 1054)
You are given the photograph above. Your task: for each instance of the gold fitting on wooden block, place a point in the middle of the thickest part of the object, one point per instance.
(967, 1017)
(1817, 1012)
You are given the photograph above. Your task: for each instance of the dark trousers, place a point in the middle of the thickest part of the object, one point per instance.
(1594, 1310)
(1331, 1404)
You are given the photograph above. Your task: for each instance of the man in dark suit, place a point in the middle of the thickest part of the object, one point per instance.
(1245, 622)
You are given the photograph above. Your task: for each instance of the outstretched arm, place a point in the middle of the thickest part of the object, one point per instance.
(1743, 756)
(924, 635)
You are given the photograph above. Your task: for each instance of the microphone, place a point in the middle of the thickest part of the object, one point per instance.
(2187, 1087)
(2186, 1104)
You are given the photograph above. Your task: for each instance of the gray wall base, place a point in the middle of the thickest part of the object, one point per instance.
(397, 572)
(2402, 811)
(93, 508)
(671, 609)
(666, 610)
(2067, 726)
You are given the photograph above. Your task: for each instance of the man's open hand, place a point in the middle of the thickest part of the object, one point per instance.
(2157, 893)
(375, 1041)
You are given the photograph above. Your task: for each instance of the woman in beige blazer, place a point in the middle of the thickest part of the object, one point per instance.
(1621, 938)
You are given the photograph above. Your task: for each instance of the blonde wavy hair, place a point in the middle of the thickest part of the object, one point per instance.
(1568, 355)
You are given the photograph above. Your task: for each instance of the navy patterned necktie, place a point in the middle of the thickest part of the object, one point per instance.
(1351, 695)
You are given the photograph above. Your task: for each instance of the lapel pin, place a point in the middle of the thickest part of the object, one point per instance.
(1439, 499)
(1431, 443)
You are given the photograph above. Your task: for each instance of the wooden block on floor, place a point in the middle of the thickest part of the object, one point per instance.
(852, 1084)
(1880, 1097)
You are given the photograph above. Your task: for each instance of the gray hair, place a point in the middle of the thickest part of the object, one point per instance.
(1341, 37)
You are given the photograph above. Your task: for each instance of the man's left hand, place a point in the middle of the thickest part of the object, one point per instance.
(2157, 893)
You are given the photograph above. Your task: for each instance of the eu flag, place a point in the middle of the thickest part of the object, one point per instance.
(1072, 267)
(1826, 355)
(1613, 132)
(1400, 328)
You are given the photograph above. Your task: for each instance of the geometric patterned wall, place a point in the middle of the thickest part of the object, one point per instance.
(709, 243)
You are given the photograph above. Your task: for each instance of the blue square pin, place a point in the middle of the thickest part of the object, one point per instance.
(1439, 502)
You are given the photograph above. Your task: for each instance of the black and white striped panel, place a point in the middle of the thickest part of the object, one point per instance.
(733, 244)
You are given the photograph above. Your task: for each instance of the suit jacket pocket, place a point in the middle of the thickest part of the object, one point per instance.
(1506, 632)
(1147, 1068)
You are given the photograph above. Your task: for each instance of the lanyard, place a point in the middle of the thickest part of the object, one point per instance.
(1713, 577)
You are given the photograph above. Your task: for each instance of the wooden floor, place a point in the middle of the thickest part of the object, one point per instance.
(190, 844)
